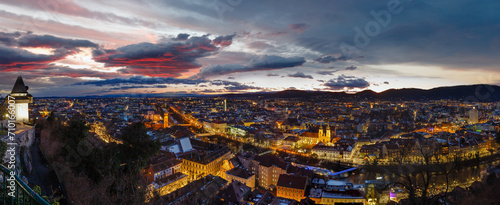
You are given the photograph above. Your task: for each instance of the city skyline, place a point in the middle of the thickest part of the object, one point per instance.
(65, 48)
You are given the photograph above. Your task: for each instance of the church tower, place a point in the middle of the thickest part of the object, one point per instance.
(320, 132)
(22, 100)
(328, 133)
(322, 135)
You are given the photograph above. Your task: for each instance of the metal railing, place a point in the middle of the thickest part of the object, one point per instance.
(22, 193)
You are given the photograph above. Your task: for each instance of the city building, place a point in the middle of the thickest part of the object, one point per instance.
(342, 197)
(291, 187)
(473, 116)
(234, 193)
(206, 159)
(327, 152)
(241, 175)
(270, 168)
(171, 183)
(162, 166)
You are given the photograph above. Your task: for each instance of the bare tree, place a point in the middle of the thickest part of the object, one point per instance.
(418, 169)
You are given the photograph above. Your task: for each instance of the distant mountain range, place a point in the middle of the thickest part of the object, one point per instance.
(472, 93)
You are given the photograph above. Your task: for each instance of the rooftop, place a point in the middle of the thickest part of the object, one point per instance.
(292, 181)
(239, 172)
(19, 86)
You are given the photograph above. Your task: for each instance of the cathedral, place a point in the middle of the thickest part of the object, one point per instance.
(324, 136)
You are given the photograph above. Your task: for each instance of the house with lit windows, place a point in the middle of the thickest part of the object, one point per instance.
(291, 187)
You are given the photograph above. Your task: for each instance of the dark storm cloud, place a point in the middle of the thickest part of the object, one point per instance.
(9, 39)
(331, 72)
(331, 59)
(458, 34)
(300, 75)
(224, 40)
(158, 82)
(29, 39)
(260, 63)
(181, 37)
(233, 86)
(16, 56)
(167, 59)
(351, 67)
(224, 82)
(350, 82)
(241, 87)
(276, 62)
(13, 56)
(20, 59)
(141, 80)
(48, 41)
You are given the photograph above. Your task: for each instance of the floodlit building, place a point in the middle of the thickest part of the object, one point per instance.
(206, 159)
(161, 167)
(291, 187)
(270, 168)
(473, 116)
(22, 100)
(323, 135)
(241, 175)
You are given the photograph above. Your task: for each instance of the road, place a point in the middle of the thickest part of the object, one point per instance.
(42, 175)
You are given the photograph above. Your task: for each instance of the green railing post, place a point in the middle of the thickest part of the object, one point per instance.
(24, 198)
(17, 194)
(20, 186)
(4, 196)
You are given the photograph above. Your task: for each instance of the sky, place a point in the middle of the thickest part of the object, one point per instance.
(98, 47)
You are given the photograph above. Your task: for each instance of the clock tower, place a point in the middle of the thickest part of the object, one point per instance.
(22, 100)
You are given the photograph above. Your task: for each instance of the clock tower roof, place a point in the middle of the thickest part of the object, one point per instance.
(19, 86)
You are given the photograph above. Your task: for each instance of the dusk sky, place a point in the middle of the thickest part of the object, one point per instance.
(98, 47)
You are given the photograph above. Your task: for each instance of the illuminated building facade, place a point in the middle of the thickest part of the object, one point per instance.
(241, 175)
(22, 100)
(200, 163)
(270, 168)
(291, 187)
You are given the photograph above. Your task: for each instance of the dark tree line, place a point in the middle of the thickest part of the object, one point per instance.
(117, 166)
